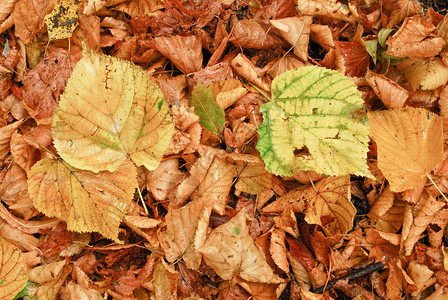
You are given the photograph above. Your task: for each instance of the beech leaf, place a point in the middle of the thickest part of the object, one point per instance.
(13, 270)
(111, 111)
(211, 114)
(312, 124)
(410, 145)
(85, 200)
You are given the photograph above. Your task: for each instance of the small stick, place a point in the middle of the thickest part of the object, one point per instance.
(362, 272)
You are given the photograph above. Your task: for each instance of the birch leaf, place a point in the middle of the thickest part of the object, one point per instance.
(111, 111)
(312, 124)
(410, 144)
(13, 270)
(85, 200)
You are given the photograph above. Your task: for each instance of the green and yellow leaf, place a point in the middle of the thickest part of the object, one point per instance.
(313, 123)
(85, 200)
(111, 111)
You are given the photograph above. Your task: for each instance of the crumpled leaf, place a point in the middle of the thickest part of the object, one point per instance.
(427, 75)
(251, 34)
(162, 180)
(328, 8)
(211, 114)
(296, 30)
(85, 200)
(412, 39)
(313, 109)
(391, 93)
(63, 20)
(329, 205)
(186, 233)
(5, 137)
(230, 251)
(278, 250)
(139, 7)
(111, 111)
(50, 278)
(13, 270)
(410, 145)
(26, 23)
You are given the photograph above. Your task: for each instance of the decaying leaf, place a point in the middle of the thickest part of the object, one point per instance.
(211, 114)
(410, 145)
(252, 177)
(13, 270)
(311, 124)
(62, 21)
(230, 251)
(130, 118)
(328, 8)
(85, 200)
(391, 93)
(427, 75)
(329, 204)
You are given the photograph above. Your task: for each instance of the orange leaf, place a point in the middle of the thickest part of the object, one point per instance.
(427, 75)
(13, 270)
(390, 92)
(410, 145)
(252, 34)
(278, 250)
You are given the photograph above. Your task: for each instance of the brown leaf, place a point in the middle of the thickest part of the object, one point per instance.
(412, 39)
(355, 56)
(13, 271)
(27, 24)
(387, 212)
(162, 180)
(230, 251)
(421, 275)
(322, 35)
(244, 67)
(278, 249)
(185, 52)
(390, 92)
(401, 10)
(253, 34)
(5, 137)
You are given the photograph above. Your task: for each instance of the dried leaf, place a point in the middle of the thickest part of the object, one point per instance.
(244, 67)
(211, 114)
(312, 110)
(63, 20)
(5, 137)
(328, 8)
(278, 250)
(330, 206)
(139, 7)
(13, 270)
(296, 30)
(410, 145)
(427, 75)
(355, 56)
(27, 24)
(252, 177)
(412, 39)
(391, 93)
(230, 251)
(422, 276)
(252, 34)
(131, 120)
(50, 278)
(85, 200)
(162, 180)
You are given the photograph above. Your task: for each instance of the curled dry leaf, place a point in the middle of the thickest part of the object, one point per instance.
(252, 34)
(185, 52)
(186, 233)
(410, 145)
(5, 137)
(244, 67)
(322, 35)
(278, 250)
(162, 180)
(412, 39)
(6, 9)
(85, 200)
(390, 92)
(139, 7)
(328, 8)
(427, 75)
(131, 120)
(227, 92)
(387, 212)
(76, 291)
(329, 205)
(13, 270)
(230, 251)
(296, 30)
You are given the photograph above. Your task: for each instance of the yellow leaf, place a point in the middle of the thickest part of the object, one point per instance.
(85, 200)
(50, 278)
(252, 177)
(329, 200)
(230, 251)
(110, 111)
(62, 21)
(427, 75)
(410, 145)
(13, 271)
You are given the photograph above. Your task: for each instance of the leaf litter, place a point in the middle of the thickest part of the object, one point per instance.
(223, 149)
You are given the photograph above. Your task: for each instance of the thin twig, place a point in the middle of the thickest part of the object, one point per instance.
(441, 193)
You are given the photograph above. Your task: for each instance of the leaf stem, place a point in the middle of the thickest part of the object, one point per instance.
(260, 91)
(432, 181)
(143, 201)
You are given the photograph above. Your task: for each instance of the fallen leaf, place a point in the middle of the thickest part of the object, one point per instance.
(310, 125)
(329, 205)
(50, 278)
(355, 56)
(422, 276)
(427, 75)
(252, 177)
(132, 120)
(139, 7)
(328, 8)
(63, 20)
(85, 200)
(27, 24)
(392, 94)
(253, 34)
(162, 180)
(230, 251)
(5, 137)
(410, 145)
(278, 249)
(244, 67)
(13, 270)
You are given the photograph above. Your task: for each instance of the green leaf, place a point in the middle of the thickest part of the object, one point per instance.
(211, 114)
(383, 35)
(314, 123)
(24, 292)
(371, 47)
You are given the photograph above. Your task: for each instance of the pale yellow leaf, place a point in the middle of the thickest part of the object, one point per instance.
(13, 270)
(111, 111)
(427, 75)
(230, 251)
(410, 145)
(85, 200)
(330, 199)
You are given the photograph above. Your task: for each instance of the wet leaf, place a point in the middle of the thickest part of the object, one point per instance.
(13, 270)
(410, 145)
(86, 201)
(131, 119)
(211, 114)
(310, 125)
